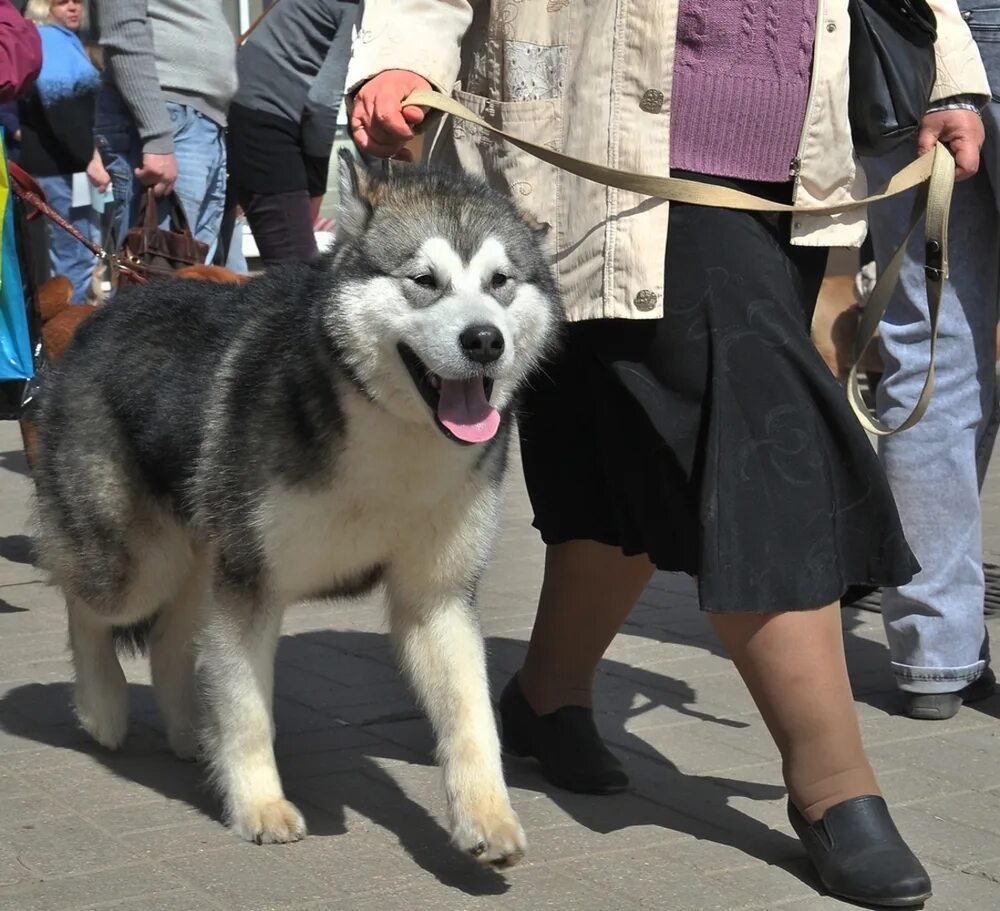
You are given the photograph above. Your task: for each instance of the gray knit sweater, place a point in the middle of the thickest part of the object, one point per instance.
(168, 50)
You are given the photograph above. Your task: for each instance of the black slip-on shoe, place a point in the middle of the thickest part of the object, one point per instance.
(565, 742)
(860, 855)
(941, 706)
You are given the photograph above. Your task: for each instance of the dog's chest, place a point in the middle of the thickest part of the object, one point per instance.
(393, 488)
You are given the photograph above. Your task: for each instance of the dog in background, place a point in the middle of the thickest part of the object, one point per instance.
(210, 454)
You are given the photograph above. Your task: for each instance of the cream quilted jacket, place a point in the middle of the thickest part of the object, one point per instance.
(592, 78)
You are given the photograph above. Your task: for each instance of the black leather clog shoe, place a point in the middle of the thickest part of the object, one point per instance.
(565, 742)
(860, 855)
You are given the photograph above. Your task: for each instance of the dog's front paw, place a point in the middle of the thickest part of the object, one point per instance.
(495, 837)
(275, 821)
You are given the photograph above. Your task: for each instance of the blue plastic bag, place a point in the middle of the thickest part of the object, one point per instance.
(15, 342)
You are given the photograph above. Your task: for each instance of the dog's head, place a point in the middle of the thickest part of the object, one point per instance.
(445, 300)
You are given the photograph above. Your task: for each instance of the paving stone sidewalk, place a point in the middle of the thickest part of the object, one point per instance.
(702, 828)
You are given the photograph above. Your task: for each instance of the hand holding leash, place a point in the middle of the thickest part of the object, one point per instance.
(961, 131)
(380, 123)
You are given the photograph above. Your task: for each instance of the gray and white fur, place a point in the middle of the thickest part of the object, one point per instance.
(211, 454)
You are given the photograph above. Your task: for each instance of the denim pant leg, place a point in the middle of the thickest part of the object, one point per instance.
(67, 256)
(935, 627)
(200, 148)
(118, 143)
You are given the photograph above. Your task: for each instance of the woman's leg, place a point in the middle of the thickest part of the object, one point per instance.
(282, 225)
(793, 664)
(587, 592)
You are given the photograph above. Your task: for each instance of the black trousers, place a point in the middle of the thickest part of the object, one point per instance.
(282, 225)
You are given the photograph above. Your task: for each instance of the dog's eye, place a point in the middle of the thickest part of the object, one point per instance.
(498, 281)
(427, 280)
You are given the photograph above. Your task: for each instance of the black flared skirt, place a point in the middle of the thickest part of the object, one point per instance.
(714, 439)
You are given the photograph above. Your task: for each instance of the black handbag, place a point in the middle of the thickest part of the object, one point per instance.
(892, 71)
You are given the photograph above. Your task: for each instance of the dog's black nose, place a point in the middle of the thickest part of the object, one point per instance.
(483, 344)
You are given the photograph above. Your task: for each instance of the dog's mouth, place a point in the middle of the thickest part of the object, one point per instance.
(461, 408)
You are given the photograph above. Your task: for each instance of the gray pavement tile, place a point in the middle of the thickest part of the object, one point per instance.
(170, 841)
(519, 889)
(910, 784)
(965, 892)
(52, 842)
(654, 879)
(246, 877)
(942, 841)
(977, 810)
(183, 900)
(87, 890)
(961, 757)
(372, 861)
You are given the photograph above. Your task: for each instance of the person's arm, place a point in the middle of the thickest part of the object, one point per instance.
(319, 117)
(20, 52)
(401, 46)
(127, 39)
(960, 69)
(960, 90)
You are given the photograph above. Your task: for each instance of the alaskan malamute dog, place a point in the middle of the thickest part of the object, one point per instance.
(210, 454)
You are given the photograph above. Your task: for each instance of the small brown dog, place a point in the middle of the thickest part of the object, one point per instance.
(60, 320)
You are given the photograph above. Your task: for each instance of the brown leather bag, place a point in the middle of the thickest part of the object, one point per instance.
(156, 252)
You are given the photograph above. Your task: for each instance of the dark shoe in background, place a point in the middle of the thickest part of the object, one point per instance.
(941, 706)
(565, 742)
(860, 855)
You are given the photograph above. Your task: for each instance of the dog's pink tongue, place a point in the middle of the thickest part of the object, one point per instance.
(464, 410)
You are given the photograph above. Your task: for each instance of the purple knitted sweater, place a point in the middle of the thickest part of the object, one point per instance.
(741, 83)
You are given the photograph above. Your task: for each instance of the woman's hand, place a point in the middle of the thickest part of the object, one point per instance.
(97, 173)
(380, 124)
(961, 131)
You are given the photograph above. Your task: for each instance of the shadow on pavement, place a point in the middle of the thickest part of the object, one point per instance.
(14, 461)
(17, 549)
(315, 739)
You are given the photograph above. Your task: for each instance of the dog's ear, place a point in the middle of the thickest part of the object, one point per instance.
(355, 204)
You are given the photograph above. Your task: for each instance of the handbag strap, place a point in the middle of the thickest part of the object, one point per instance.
(934, 173)
(26, 188)
(148, 217)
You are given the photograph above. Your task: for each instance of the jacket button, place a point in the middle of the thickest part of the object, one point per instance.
(645, 300)
(831, 26)
(967, 15)
(652, 101)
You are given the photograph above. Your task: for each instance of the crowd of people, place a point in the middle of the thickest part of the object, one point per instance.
(688, 424)
(158, 95)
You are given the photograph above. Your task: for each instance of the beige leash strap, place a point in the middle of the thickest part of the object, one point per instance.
(937, 170)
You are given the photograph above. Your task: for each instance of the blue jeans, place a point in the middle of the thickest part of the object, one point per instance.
(200, 149)
(66, 254)
(935, 626)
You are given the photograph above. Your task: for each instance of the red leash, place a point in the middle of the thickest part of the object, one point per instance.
(26, 188)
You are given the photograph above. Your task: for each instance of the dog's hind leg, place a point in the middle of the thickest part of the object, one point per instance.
(236, 665)
(172, 662)
(441, 649)
(101, 693)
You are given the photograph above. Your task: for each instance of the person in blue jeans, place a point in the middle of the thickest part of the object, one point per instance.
(56, 126)
(935, 625)
(161, 114)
